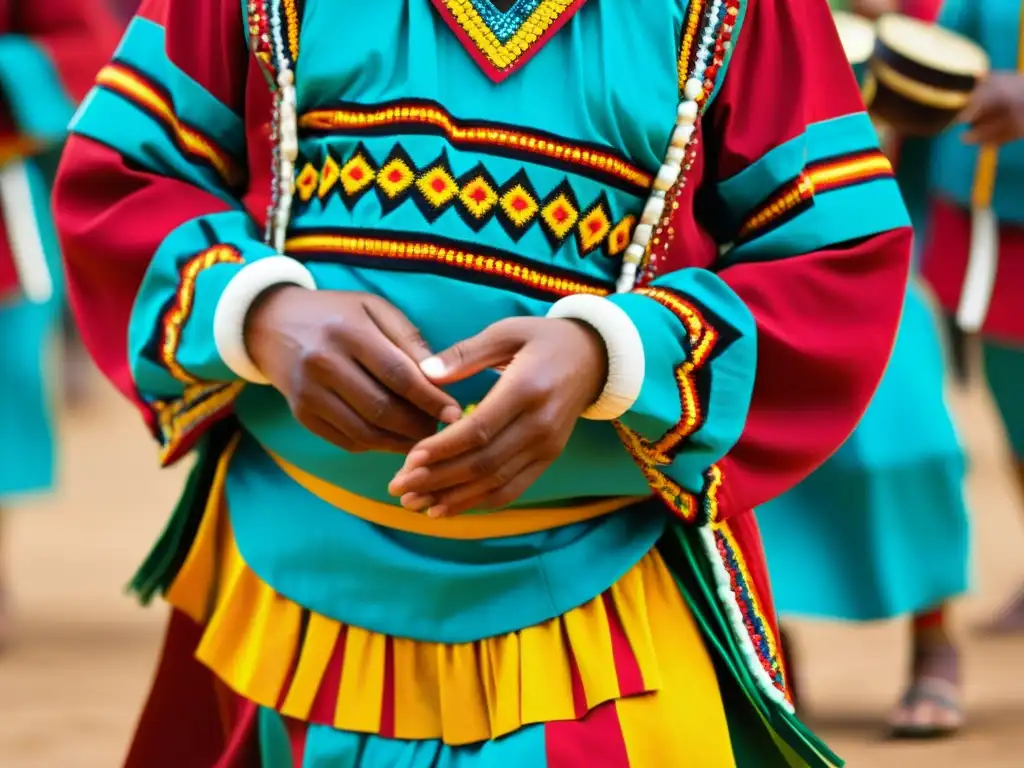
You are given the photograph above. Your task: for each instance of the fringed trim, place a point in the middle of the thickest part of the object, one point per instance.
(750, 625)
(310, 667)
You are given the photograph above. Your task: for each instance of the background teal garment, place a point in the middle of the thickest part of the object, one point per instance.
(27, 351)
(881, 529)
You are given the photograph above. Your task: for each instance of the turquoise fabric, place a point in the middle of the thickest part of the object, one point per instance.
(327, 747)
(1004, 371)
(416, 586)
(27, 338)
(994, 24)
(839, 215)
(881, 529)
(731, 367)
(32, 90)
(196, 352)
(750, 187)
(143, 49)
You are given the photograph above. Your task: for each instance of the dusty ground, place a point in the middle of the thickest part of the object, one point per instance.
(71, 686)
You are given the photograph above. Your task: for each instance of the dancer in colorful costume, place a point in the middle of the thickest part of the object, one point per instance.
(881, 530)
(974, 177)
(50, 51)
(336, 601)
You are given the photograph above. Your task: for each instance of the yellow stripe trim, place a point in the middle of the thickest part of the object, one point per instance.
(506, 522)
(135, 88)
(438, 254)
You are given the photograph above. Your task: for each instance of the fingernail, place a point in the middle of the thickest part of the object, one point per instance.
(416, 503)
(404, 479)
(413, 460)
(433, 367)
(436, 511)
(451, 414)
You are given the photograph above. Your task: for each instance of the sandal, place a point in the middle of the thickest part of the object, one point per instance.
(930, 709)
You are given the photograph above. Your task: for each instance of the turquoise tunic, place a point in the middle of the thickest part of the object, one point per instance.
(463, 204)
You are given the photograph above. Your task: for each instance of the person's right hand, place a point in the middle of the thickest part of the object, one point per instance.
(348, 365)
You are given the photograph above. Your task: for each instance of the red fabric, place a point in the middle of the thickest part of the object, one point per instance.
(826, 320)
(944, 267)
(933, 619)
(182, 724)
(596, 741)
(926, 10)
(97, 192)
(627, 668)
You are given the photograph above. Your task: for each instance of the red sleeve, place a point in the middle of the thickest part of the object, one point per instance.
(113, 207)
(821, 246)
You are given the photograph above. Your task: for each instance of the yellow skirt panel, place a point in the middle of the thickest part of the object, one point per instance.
(637, 641)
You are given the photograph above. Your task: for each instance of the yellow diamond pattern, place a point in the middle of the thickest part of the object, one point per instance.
(306, 183)
(356, 175)
(519, 205)
(437, 186)
(621, 236)
(479, 197)
(328, 177)
(594, 228)
(395, 177)
(560, 216)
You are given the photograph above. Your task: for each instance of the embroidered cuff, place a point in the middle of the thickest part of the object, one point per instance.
(233, 307)
(626, 365)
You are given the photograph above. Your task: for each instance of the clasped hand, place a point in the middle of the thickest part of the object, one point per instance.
(357, 373)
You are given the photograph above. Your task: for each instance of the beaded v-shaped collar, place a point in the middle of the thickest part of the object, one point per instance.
(501, 42)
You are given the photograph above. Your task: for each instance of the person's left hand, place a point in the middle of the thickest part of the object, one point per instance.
(995, 113)
(554, 369)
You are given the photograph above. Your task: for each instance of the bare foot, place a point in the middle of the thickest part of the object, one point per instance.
(1010, 620)
(931, 707)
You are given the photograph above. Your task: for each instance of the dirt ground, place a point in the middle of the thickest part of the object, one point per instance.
(72, 684)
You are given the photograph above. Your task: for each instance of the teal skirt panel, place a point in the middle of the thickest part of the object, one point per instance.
(420, 587)
(881, 529)
(1004, 371)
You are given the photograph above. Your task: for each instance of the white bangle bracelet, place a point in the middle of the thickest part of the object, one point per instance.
(237, 299)
(626, 364)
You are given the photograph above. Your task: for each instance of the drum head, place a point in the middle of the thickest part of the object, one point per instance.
(932, 47)
(857, 35)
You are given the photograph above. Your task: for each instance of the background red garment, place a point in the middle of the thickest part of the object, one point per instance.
(77, 36)
(928, 10)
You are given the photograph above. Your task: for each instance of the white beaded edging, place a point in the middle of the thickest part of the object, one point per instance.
(236, 300)
(285, 133)
(626, 362)
(728, 601)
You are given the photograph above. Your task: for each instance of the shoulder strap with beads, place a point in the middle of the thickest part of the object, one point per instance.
(273, 28)
(709, 32)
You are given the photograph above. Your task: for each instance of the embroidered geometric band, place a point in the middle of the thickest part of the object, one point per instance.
(475, 195)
